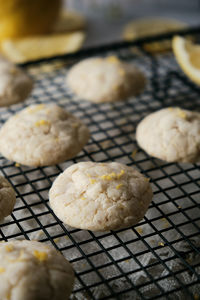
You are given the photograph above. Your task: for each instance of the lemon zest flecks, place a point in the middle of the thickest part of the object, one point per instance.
(9, 248)
(119, 186)
(41, 123)
(2, 270)
(139, 230)
(113, 175)
(182, 114)
(92, 181)
(113, 59)
(83, 198)
(41, 256)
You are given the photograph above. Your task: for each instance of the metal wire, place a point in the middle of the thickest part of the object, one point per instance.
(173, 218)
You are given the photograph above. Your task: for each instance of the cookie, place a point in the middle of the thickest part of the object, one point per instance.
(105, 79)
(142, 28)
(31, 270)
(100, 196)
(171, 134)
(15, 84)
(7, 198)
(42, 135)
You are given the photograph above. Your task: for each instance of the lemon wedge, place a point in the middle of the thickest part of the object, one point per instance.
(20, 18)
(153, 26)
(188, 57)
(37, 47)
(69, 21)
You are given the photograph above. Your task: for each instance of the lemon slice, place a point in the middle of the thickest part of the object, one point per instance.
(69, 21)
(188, 57)
(19, 18)
(37, 47)
(147, 27)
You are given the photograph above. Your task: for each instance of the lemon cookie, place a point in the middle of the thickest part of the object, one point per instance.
(31, 270)
(100, 197)
(42, 135)
(105, 79)
(7, 198)
(15, 84)
(171, 134)
(187, 55)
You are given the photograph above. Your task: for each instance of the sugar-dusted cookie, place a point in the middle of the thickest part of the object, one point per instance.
(7, 198)
(100, 196)
(15, 84)
(42, 135)
(171, 134)
(31, 270)
(105, 79)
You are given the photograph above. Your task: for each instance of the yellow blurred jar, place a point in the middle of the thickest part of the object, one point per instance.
(27, 17)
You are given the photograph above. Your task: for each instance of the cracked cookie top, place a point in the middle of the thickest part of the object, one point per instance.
(42, 135)
(171, 134)
(32, 270)
(100, 196)
(105, 79)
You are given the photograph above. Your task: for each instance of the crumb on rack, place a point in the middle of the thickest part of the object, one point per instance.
(139, 230)
(166, 223)
(133, 154)
(161, 244)
(56, 240)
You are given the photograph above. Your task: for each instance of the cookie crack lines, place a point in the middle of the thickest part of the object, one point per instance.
(171, 134)
(103, 207)
(105, 79)
(42, 135)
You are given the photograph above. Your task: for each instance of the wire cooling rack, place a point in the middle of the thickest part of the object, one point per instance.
(159, 257)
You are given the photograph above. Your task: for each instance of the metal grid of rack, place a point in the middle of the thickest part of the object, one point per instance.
(159, 257)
